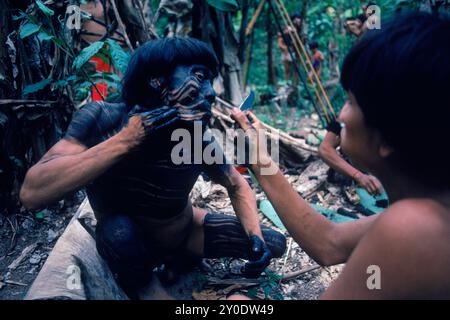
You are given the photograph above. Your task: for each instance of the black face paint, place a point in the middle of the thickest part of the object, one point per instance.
(190, 91)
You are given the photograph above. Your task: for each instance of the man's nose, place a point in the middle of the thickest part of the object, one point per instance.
(210, 95)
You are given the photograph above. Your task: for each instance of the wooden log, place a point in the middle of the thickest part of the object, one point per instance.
(74, 270)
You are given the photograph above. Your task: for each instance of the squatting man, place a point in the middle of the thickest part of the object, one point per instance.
(120, 152)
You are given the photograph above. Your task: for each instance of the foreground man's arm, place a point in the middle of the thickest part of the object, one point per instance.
(326, 242)
(69, 165)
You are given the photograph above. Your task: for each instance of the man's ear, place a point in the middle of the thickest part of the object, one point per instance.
(157, 83)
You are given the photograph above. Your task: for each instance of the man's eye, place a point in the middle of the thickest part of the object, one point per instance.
(200, 75)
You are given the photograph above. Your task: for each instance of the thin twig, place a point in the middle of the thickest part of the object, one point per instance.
(244, 283)
(16, 283)
(292, 275)
(119, 20)
(13, 238)
(24, 101)
(270, 130)
(288, 251)
(140, 10)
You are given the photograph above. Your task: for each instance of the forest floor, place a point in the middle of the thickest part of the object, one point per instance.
(27, 239)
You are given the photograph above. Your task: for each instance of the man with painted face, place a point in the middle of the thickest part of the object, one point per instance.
(121, 153)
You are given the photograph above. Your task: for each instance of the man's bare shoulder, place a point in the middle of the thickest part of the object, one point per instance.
(409, 244)
(95, 122)
(411, 218)
(411, 241)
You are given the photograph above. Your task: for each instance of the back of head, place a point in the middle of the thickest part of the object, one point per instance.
(313, 45)
(158, 58)
(400, 76)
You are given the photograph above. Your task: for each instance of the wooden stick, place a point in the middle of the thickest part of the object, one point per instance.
(286, 138)
(16, 283)
(28, 250)
(23, 101)
(295, 274)
(244, 282)
(119, 20)
(254, 18)
(308, 60)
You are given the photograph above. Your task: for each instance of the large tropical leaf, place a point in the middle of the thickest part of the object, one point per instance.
(28, 29)
(86, 54)
(118, 55)
(31, 88)
(46, 10)
(224, 5)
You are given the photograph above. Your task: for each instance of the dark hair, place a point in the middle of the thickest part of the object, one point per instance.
(159, 58)
(313, 45)
(400, 77)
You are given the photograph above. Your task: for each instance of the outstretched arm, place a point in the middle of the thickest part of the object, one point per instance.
(326, 242)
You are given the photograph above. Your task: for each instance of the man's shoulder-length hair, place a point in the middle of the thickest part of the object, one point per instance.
(157, 58)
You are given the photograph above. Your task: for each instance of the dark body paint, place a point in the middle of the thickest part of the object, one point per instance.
(142, 202)
(146, 183)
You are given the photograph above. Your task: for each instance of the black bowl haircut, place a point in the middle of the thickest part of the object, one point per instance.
(400, 77)
(159, 58)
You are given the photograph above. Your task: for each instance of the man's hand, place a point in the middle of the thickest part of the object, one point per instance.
(260, 256)
(143, 123)
(158, 118)
(370, 183)
(253, 134)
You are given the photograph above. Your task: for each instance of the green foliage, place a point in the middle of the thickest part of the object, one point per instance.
(118, 55)
(31, 88)
(270, 285)
(28, 29)
(86, 54)
(44, 36)
(224, 5)
(46, 10)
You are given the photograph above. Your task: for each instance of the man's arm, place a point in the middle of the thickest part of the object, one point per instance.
(244, 204)
(326, 242)
(241, 196)
(69, 165)
(329, 154)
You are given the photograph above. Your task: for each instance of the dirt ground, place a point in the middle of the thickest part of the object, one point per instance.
(27, 239)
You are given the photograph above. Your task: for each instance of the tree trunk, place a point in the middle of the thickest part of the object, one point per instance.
(304, 14)
(216, 28)
(242, 42)
(271, 79)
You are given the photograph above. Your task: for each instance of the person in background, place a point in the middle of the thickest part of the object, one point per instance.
(317, 59)
(286, 58)
(328, 152)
